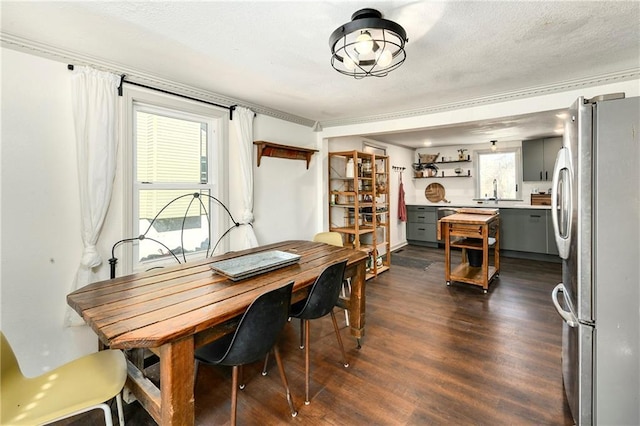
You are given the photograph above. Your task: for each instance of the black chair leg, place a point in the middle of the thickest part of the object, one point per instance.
(266, 363)
(301, 333)
(234, 394)
(283, 376)
(307, 361)
(241, 382)
(346, 284)
(335, 327)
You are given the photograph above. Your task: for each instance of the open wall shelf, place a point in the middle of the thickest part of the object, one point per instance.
(270, 149)
(443, 177)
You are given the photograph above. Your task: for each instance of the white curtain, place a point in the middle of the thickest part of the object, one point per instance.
(94, 102)
(243, 121)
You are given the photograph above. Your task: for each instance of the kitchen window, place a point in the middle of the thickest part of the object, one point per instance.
(176, 150)
(499, 174)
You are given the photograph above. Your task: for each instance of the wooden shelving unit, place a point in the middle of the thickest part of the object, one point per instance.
(359, 205)
(270, 149)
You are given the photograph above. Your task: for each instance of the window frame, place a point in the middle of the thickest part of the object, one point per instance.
(518, 171)
(218, 174)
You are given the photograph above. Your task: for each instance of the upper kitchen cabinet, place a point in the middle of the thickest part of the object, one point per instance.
(539, 157)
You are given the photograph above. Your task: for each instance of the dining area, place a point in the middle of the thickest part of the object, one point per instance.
(188, 312)
(428, 347)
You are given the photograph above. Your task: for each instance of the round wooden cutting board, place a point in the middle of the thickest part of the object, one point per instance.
(435, 193)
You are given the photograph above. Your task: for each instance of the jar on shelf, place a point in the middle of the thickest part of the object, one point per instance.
(350, 171)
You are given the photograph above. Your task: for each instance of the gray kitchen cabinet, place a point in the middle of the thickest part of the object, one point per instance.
(523, 230)
(421, 225)
(539, 157)
(532, 159)
(552, 247)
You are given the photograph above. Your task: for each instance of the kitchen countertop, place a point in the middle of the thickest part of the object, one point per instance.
(490, 204)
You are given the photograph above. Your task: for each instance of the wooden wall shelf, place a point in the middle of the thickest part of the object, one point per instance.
(442, 177)
(270, 149)
(468, 160)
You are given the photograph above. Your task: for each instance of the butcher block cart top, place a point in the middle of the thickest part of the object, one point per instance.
(471, 229)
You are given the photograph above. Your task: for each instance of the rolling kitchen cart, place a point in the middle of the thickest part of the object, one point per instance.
(471, 229)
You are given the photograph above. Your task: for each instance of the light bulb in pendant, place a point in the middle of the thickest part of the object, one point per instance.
(364, 43)
(384, 58)
(348, 63)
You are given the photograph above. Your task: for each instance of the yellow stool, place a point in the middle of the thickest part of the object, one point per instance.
(333, 238)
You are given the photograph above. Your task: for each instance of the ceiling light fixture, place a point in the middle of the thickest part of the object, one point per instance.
(368, 46)
(493, 146)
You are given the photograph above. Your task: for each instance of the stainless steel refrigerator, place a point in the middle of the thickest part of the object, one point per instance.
(596, 220)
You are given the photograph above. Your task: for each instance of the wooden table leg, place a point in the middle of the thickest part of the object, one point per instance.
(356, 305)
(485, 258)
(176, 383)
(447, 255)
(496, 250)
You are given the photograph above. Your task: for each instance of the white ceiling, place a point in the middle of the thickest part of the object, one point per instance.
(276, 54)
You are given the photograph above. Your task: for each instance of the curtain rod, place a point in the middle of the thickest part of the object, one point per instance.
(122, 81)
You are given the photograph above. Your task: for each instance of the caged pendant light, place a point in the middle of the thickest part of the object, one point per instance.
(368, 46)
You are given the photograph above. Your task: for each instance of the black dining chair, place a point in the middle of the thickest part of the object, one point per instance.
(255, 336)
(335, 239)
(321, 299)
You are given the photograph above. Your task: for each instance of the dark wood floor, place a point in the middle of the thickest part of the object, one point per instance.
(432, 355)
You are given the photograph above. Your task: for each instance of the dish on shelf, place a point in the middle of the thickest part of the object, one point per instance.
(434, 192)
(428, 158)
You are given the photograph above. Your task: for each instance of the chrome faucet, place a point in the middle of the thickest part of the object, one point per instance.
(495, 190)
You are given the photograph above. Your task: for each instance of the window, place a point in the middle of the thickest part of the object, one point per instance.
(176, 152)
(371, 148)
(500, 172)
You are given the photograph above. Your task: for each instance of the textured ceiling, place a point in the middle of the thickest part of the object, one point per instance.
(276, 53)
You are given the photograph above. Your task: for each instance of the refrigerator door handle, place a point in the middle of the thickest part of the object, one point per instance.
(567, 316)
(562, 237)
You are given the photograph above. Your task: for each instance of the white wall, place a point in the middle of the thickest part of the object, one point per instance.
(41, 245)
(285, 192)
(461, 191)
(520, 106)
(40, 228)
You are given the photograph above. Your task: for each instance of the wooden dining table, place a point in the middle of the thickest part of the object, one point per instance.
(174, 310)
